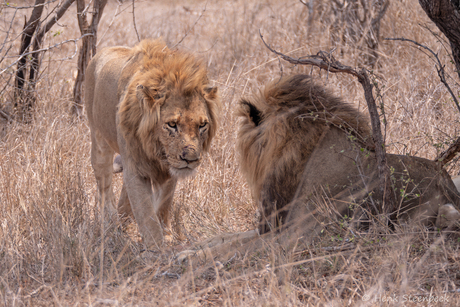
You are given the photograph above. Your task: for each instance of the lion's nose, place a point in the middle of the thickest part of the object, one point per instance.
(189, 155)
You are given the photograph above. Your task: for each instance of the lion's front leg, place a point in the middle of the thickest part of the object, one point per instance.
(124, 207)
(101, 160)
(140, 194)
(163, 201)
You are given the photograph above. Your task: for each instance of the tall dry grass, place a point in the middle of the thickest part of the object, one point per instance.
(54, 251)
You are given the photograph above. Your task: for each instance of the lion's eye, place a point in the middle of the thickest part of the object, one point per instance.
(172, 125)
(203, 125)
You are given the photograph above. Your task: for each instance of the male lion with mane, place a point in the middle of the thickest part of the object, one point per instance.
(154, 106)
(298, 141)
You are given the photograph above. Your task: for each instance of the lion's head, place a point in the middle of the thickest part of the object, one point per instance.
(281, 126)
(169, 110)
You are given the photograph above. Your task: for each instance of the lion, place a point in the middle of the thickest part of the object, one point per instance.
(298, 141)
(155, 107)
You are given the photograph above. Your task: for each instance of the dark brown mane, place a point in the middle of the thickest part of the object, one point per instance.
(299, 96)
(282, 125)
(299, 144)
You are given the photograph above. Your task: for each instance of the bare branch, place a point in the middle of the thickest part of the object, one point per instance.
(134, 23)
(381, 13)
(29, 29)
(439, 67)
(339, 4)
(88, 48)
(46, 49)
(5, 116)
(194, 24)
(322, 60)
(30, 6)
(81, 16)
(446, 17)
(60, 12)
(327, 62)
(7, 35)
(450, 153)
(115, 14)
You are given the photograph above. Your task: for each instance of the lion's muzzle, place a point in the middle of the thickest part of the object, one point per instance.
(189, 155)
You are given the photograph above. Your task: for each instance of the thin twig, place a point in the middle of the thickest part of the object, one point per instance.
(322, 60)
(327, 62)
(28, 7)
(46, 49)
(111, 22)
(5, 115)
(59, 13)
(441, 40)
(134, 23)
(7, 35)
(439, 66)
(188, 31)
(454, 148)
(448, 154)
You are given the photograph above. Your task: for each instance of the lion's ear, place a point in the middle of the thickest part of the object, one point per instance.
(140, 93)
(252, 112)
(211, 93)
(147, 97)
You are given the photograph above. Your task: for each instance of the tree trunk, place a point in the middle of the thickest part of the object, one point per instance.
(29, 29)
(87, 50)
(446, 15)
(25, 99)
(37, 44)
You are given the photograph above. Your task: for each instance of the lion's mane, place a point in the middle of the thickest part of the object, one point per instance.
(161, 71)
(281, 126)
(297, 140)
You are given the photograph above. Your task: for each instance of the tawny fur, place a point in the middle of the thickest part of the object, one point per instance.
(156, 108)
(292, 113)
(297, 141)
(162, 71)
(296, 138)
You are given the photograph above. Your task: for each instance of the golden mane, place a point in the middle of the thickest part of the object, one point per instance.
(284, 121)
(167, 69)
(159, 71)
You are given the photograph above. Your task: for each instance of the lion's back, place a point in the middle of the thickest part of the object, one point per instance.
(102, 89)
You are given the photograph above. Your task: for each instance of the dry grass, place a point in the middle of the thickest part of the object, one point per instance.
(53, 250)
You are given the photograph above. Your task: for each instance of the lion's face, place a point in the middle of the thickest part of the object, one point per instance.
(176, 128)
(168, 112)
(184, 128)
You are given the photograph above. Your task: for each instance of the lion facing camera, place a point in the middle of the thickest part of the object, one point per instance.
(154, 106)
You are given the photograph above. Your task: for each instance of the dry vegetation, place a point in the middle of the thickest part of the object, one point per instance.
(54, 251)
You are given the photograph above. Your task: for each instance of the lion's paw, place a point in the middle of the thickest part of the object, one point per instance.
(447, 216)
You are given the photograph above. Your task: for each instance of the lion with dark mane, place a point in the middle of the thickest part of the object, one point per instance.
(156, 108)
(298, 141)
(300, 146)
